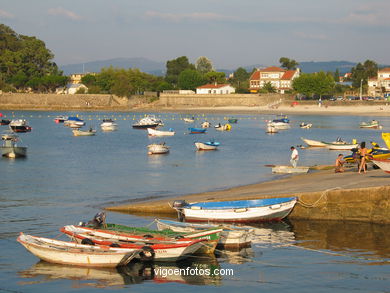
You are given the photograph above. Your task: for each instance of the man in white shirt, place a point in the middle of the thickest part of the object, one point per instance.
(294, 157)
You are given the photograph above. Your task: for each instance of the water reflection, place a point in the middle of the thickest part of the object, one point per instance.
(237, 256)
(195, 271)
(367, 240)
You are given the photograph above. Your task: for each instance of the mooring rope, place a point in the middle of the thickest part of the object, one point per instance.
(323, 195)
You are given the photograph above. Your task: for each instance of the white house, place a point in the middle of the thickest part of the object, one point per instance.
(215, 89)
(71, 89)
(380, 85)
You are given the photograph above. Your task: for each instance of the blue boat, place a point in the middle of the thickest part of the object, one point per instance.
(268, 209)
(197, 130)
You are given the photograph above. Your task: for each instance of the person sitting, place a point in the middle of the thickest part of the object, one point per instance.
(339, 164)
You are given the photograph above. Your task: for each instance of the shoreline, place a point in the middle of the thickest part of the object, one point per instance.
(364, 198)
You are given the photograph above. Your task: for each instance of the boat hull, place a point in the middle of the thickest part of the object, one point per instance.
(383, 164)
(275, 210)
(69, 253)
(205, 147)
(13, 152)
(313, 143)
(341, 147)
(154, 132)
(83, 133)
(289, 169)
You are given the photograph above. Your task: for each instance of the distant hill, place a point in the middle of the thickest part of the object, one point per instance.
(143, 64)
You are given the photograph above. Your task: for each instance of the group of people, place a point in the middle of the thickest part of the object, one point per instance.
(361, 153)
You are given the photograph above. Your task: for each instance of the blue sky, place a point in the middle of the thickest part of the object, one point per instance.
(231, 33)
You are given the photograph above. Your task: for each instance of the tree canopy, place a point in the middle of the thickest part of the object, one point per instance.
(288, 63)
(310, 84)
(362, 72)
(190, 79)
(204, 65)
(175, 67)
(26, 62)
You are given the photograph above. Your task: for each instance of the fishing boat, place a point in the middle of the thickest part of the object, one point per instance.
(313, 143)
(205, 124)
(341, 147)
(285, 169)
(10, 148)
(189, 120)
(158, 148)
(70, 253)
(19, 125)
(60, 119)
(108, 125)
(372, 124)
(149, 121)
(223, 127)
(155, 132)
(194, 130)
(207, 146)
(74, 122)
(384, 164)
(268, 209)
(232, 120)
(386, 138)
(231, 236)
(271, 128)
(305, 125)
(5, 122)
(280, 125)
(89, 132)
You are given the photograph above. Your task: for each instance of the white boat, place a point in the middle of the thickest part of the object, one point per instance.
(158, 148)
(285, 169)
(60, 119)
(313, 143)
(268, 209)
(207, 146)
(89, 132)
(280, 125)
(189, 120)
(271, 128)
(108, 125)
(305, 125)
(155, 132)
(19, 125)
(231, 236)
(74, 122)
(373, 124)
(149, 121)
(71, 253)
(384, 164)
(205, 124)
(341, 147)
(10, 148)
(223, 127)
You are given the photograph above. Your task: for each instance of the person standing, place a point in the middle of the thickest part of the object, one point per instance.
(363, 153)
(294, 157)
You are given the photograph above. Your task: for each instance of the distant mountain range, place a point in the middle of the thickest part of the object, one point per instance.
(158, 68)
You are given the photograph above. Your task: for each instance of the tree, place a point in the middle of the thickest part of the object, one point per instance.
(268, 88)
(175, 67)
(287, 63)
(240, 80)
(314, 84)
(362, 72)
(203, 65)
(337, 75)
(190, 79)
(215, 77)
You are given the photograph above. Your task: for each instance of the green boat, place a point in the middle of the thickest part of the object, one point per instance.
(232, 120)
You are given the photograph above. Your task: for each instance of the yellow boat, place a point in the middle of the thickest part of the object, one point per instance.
(386, 138)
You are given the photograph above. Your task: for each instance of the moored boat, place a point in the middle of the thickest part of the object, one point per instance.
(155, 132)
(70, 253)
(223, 127)
(89, 132)
(268, 209)
(384, 164)
(372, 124)
(74, 122)
(285, 169)
(10, 148)
(231, 236)
(158, 148)
(149, 121)
(232, 120)
(313, 143)
(305, 125)
(207, 146)
(5, 122)
(280, 124)
(271, 128)
(60, 119)
(194, 130)
(108, 125)
(341, 147)
(19, 125)
(189, 120)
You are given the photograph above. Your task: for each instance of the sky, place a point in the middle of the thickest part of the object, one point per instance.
(231, 33)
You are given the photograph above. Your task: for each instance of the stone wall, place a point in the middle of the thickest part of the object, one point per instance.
(169, 100)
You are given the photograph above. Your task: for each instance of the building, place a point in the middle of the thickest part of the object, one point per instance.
(380, 85)
(279, 78)
(71, 89)
(215, 89)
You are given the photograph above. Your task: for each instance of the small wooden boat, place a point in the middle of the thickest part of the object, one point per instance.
(189, 120)
(205, 124)
(155, 132)
(268, 209)
(341, 147)
(285, 169)
(231, 236)
(5, 122)
(232, 120)
(60, 119)
(70, 253)
(108, 125)
(10, 148)
(384, 164)
(193, 130)
(89, 132)
(305, 125)
(158, 148)
(19, 125)
(280, 124)
(74, 122)
(313, 143)
(223, 127)
(207, 146)
(372, 124)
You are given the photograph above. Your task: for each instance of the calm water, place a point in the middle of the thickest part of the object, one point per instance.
(66, 179)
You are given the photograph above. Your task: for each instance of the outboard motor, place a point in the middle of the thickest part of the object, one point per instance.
(178, 205)
(98, 220)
